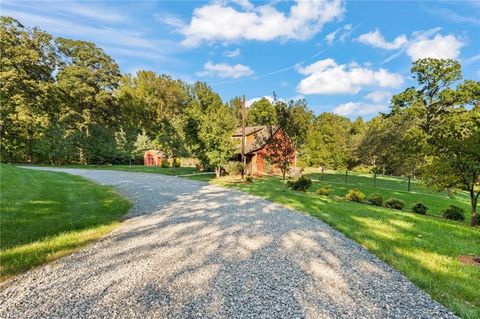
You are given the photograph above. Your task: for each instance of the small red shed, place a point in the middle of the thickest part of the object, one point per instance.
(153, 158)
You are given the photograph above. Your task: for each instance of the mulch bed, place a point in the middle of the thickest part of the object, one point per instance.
(470, 260)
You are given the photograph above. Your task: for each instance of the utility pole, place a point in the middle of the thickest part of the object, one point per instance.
(244, 158)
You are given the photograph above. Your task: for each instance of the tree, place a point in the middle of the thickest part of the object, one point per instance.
(27, 93)
(327, 141)
(280, 149)
(261, 112)
(434, 77)
(87, 78)
(209, 126)
(456, 150)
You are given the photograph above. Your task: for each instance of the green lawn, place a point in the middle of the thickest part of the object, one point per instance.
(45, 215)
(388, 186)
(423, 248)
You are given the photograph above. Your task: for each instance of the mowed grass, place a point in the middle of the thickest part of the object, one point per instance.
(46, 215)
(388, 187)
(424, 248)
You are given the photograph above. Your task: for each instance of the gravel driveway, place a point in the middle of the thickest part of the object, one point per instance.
(192, 250)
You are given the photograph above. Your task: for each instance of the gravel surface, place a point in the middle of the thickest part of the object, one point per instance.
(192, 250)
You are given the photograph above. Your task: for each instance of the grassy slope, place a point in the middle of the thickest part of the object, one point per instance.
(45, 215)
(423, 248)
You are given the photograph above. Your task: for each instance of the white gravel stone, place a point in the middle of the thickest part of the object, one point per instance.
(193, 250)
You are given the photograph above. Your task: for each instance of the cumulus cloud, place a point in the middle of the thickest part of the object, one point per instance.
(328, 77)
(259, 22)
(422, 44)
(223, 70)
(358, 108)
(376, 39)
(232, 53)
(438, 47)
(378, 96)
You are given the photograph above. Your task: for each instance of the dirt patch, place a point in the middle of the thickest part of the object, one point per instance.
(470, 260)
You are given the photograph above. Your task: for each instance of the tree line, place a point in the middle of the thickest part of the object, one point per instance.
(66, 101)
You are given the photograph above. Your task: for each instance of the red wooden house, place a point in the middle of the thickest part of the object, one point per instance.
(257, 147)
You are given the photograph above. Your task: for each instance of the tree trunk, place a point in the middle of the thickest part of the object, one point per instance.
(217, 171)
(473, 201)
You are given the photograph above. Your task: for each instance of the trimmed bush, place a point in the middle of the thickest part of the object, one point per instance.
(165, 163)
(249, 179)
(419, 208)
(323, 191)
(454, 213)
(234, 168)
(395, 203)
(301, 184)
(375, 199)
(355, 196)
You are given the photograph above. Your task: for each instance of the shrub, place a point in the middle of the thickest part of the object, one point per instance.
(395, 203)
(165, 163)
(454, 213)
(419, 208)
(234, 168)
(249, 179)
(355, 195)
(375, 199)
(176, 162)
(323, 191)
(301, 184)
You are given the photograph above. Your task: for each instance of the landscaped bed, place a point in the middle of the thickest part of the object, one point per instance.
(424, 248)
(46, 215)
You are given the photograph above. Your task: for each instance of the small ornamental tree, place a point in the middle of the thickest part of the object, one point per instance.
(280, 147)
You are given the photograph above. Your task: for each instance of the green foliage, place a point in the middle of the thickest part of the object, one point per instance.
(302, 184)
(329, 141)
(420, 208)
(454, 213)
(249, 179)
(395, 203)
(261, 112)
(165, 163)
(323, 191)
(355, 196)
(375, 199)
(234, 168)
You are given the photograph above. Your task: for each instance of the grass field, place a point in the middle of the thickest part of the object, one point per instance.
(424, 248)
(388, 186)
(45, 215)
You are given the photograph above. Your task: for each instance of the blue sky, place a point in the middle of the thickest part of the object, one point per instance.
(346, 57)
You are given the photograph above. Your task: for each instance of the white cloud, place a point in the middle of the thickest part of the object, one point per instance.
(232, 53)
(328, 77)
(344, 32)
(438, 47)
(259, 22)
(378, 96)
(358, 108)
(376, 39)
(223, 70)
(422, 44)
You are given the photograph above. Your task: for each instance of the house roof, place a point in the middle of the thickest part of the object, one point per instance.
(248, 130)
(260, 134)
